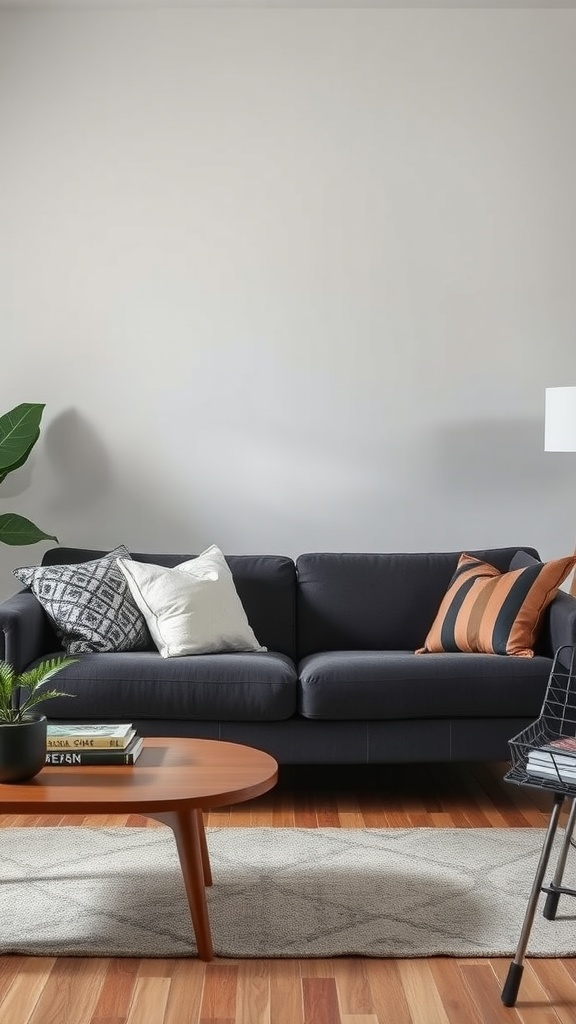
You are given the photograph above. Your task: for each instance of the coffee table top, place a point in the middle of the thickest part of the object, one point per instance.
(171, 774)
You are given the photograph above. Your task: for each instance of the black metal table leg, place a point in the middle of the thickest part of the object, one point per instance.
(555, 888)
(514, 977)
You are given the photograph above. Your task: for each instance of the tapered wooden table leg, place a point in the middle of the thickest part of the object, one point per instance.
(188, 829)
(204, 849)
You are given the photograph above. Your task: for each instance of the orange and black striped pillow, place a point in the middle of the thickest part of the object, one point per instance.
(486, 611)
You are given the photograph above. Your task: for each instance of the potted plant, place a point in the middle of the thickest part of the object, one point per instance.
(19, 431)
(23, 730)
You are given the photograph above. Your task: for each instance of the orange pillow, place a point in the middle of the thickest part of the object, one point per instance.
(486, 611)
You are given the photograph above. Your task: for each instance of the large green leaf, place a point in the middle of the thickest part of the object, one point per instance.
(19, 431)
(20, 462)
(18, 530)
(14, 704)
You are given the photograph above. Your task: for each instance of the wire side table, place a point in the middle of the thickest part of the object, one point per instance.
(557, 719)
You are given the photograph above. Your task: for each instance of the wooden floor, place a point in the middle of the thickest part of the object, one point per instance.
(341, 991)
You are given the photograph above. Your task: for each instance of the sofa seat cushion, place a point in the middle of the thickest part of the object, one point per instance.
(401, 684)
(235, 687)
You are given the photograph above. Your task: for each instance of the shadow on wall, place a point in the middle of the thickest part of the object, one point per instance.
(76, 488)
(97, 504)
(19, 481)
(79, 460)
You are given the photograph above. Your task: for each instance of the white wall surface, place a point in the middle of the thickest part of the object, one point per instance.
(289, 280)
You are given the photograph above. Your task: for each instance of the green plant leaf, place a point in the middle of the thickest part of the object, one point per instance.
(42, 673)
(21, 461)
(8, 687)
(33, 680)
(37, 698)
(19, 431)
(17, 530)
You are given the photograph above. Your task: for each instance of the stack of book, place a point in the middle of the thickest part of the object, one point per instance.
(554, 760)
(78, 744)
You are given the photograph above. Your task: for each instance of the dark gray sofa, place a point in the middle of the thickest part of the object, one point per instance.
(340, 682)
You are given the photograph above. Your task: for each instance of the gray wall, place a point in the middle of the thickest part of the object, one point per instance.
(289, 280)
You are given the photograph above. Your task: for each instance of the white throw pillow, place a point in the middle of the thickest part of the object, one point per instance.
(193, 608)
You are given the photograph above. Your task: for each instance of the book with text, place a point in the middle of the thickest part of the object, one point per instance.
(73, 737)
(68, 758)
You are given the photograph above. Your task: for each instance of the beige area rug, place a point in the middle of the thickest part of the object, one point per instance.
(278, 892)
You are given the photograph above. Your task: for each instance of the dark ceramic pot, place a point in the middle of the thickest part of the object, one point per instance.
(22, 749)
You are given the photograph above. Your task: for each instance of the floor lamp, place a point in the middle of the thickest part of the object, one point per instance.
(560, 429)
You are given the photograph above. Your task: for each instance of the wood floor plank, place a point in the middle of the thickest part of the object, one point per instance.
(218, 1020)
(10, 968)
(485, 991)
(327, 811)
(26, 987)
(569, 964)
(155, 967)
(352, 986)
(71, 992)
(253, 998)
(387, 992)
(286, 1006)
(421, 993)
(220, 991)
(458, 1004)
(318, 967)
(359, 1018)
(242, 817)
(305, 811)
(218, 818)
(495, 800)
(349, 813)
(112, 820)
(320, 1001)
(282, 809)
(108, 1020)
(513, 811)
(450, 819)
(117, 988)
(532, 1005)
(419, 820)
(558, 984)
(185, 996)
(149, 1001)
(28, 820)
(262, 818)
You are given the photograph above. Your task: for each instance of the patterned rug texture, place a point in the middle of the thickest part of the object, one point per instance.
(278, 892)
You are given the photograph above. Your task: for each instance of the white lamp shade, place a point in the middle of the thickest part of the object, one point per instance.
(560, 420)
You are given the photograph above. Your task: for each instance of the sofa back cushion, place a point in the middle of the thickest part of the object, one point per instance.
(266, 585)
(376, 602)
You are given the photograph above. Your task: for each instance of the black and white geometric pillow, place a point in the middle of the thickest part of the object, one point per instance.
(90, 604)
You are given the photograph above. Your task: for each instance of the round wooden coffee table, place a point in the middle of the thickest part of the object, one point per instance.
(174, 780)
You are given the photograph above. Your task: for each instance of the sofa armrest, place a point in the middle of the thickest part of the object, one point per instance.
(562, 622)
(25, 631)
